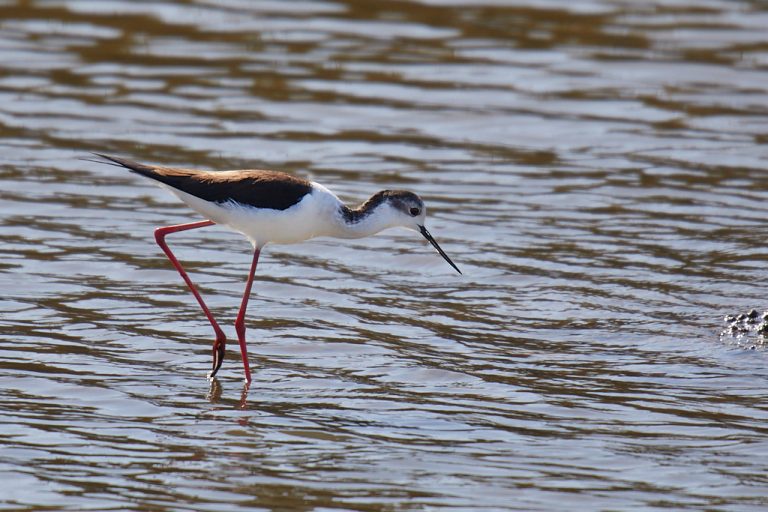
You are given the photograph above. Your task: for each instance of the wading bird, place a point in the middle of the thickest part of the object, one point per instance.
(272, 207)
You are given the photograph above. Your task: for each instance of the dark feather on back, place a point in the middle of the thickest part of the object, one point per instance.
(260, 189)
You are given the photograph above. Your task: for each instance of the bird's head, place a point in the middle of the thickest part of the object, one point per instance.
(407, 208)
(409, 211)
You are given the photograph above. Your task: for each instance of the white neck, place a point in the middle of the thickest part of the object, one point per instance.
(361, 226)
(368, 219)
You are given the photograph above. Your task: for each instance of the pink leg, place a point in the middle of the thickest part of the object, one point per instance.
(220, 343)
(240, 322)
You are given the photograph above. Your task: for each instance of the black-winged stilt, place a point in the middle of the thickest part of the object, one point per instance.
(272, 207)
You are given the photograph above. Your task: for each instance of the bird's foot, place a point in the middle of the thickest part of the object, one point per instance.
(219, 347)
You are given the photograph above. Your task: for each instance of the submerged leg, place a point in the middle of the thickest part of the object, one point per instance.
(220, 343)
(240, 322)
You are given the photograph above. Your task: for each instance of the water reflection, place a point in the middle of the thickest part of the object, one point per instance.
(598, 169)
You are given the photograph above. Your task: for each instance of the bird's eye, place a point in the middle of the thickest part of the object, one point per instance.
(415, 211)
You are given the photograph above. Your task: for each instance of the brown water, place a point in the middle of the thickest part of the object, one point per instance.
(597, 169)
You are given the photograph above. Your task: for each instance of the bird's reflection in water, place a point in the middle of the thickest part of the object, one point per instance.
(215, 391)
(244, 396)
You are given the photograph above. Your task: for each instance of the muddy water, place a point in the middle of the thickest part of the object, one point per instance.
(597, 169)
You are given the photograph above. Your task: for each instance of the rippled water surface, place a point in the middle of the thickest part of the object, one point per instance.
(598, 170)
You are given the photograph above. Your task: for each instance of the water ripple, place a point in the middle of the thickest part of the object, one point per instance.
(595, 168)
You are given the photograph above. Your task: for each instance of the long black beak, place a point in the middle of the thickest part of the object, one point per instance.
(434, 244)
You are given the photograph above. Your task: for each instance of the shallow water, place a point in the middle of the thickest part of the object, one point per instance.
(596, 169)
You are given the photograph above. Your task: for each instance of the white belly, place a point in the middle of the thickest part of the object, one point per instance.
(315, 215)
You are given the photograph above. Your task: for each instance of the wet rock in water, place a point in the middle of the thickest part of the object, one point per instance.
(747, 330)
(738, 329)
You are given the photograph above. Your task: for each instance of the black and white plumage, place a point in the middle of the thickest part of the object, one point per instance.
(275, 207)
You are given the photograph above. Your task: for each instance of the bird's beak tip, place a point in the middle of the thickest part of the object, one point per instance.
(434, 243)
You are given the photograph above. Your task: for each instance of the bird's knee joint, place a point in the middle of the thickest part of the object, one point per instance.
(159, 235)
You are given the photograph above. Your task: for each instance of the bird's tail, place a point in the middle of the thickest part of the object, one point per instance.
(145, 170)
